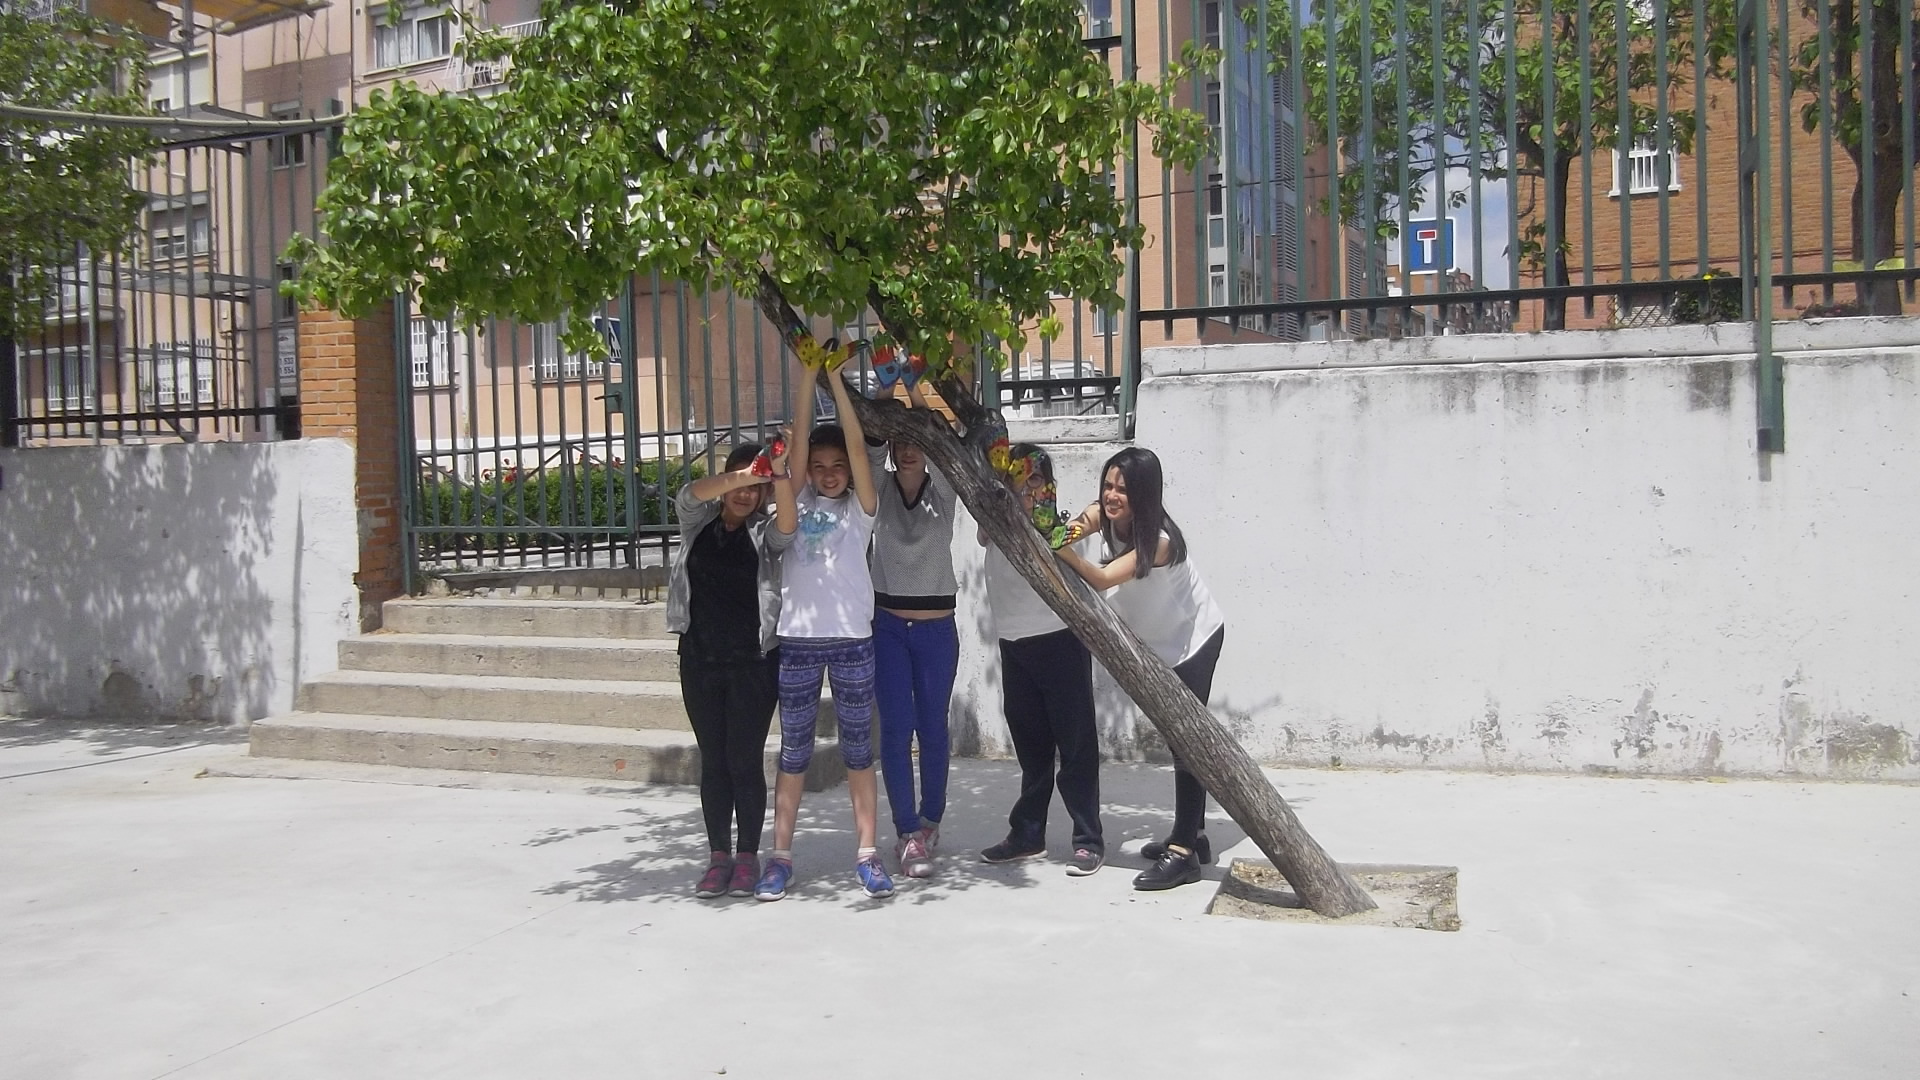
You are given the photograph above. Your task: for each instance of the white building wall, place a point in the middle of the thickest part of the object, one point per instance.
(1556, 565)
(193, 582)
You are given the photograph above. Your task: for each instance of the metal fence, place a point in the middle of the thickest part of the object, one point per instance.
(184, 336)
(1583, 163)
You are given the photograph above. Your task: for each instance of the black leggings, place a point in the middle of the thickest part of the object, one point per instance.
(1189, 798)
(731, 708)
(1047, 687)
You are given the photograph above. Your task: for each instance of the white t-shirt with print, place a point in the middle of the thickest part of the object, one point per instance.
(826, 590)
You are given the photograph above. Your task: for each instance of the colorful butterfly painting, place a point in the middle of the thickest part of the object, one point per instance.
(891, 367)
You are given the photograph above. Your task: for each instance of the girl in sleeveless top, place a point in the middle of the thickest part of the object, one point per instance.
(1159, 595)
(916, 646)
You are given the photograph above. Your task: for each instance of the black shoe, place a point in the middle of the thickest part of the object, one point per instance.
(1176, 867)
(1085, 862)
(1203, 850)
(1009, 851)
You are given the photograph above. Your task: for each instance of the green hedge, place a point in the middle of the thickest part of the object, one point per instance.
(560, 498)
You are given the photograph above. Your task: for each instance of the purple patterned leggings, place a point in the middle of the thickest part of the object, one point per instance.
(848, 664)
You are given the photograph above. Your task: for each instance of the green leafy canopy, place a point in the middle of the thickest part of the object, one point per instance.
(893, 154)
(63, 187)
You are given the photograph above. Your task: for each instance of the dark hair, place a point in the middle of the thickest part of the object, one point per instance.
(832, 435)
(742, 455)
(1140, 468)
(1042, 461)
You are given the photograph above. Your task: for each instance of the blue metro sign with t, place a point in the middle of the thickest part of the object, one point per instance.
(1429, 246)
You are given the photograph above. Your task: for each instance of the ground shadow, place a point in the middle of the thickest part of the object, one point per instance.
(104, 738)
(667, 849)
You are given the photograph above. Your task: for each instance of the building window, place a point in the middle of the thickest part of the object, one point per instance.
(428, 344)
(288, 150)
(1105, 321)
(1639, 174)
(67, 376)
(178, 233)
(172, 83)
(179, 373)
(1217, 285)
(1099, 17)
(1211, 21)
(550, 364)
(418, 34)
(1216, 212)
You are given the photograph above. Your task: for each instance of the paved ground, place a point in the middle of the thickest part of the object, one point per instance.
(157, 923)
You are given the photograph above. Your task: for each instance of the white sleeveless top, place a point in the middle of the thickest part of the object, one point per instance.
(1170, 609)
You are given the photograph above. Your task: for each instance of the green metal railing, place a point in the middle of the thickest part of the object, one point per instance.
(1476, 166)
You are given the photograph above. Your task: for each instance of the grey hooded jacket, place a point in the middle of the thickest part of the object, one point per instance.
(768, 543)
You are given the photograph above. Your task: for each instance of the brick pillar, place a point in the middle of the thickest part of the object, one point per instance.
(348, 391)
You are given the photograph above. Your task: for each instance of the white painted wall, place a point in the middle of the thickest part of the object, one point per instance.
(197, 582)
(1558, 565)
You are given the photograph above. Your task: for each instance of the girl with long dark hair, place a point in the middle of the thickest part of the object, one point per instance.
(1159, 595)
(723, 599)
(1046, 683)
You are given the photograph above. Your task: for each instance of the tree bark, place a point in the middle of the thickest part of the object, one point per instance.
(1209, 751)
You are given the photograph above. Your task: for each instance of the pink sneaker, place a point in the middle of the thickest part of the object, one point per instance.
(714, 882)
(915, 860)
(746, 874)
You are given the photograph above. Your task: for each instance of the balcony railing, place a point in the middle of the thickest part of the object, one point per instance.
(466, 74)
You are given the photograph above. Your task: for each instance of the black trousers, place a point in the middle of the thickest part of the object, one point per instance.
(1047, 687)
(1189, 798)
(731, 707)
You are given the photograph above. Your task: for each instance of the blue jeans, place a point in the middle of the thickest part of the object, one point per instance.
(914, 665)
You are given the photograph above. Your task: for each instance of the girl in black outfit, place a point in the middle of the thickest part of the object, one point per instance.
(724, 601)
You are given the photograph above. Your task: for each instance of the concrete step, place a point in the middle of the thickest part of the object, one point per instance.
(597, 702)
(519, 617)
(620, 659)
(614, 754)
(615, 703)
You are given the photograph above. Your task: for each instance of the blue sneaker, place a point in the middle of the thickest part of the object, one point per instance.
(773, 880)
(874, 877)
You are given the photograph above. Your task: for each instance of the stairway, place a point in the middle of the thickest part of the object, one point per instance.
(548, 686)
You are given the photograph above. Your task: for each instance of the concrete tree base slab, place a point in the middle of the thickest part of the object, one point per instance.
(1417, 897)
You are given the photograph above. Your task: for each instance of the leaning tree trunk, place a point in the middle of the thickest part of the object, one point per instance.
(1219, 762)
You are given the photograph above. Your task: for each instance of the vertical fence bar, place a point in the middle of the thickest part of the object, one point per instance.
(1268, 156)
(1336, 274)
(1441, 211)
(1663, 132)
(1202, 182)
(1551, 252)
(1583, 45)
(1403, 180)
(9, 382)
(1701, 248)
(1624, 104)
(519, 491)
(1512, 87)
(1826, 147)
(1909, 120)
(1475, 197)
(1786, 146)
(410, 471)
(1166, 194)
(1866, 248)
(1772, 434)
